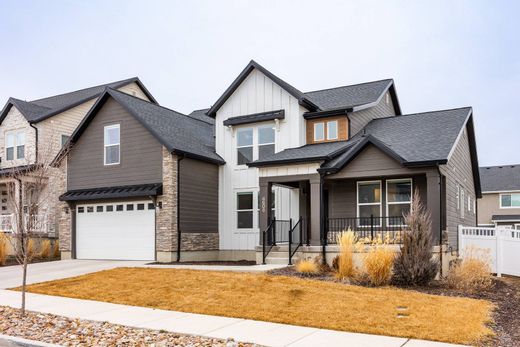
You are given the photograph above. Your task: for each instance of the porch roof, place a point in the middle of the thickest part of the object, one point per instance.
(506, 218)
(140, 190)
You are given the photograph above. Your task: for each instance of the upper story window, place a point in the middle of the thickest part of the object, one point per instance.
(265, 141)
(510, 200)
(319, 131)
(15, 145)
(332, 130)
(244, 146)
(255, 143)
(112, 145)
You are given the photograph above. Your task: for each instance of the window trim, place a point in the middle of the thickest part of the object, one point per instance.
(252, 210)
(252, 145)
(387, 203)
(105, 129)
(15, 146)
(328, 130)
(508, 207)
(258, 144)
(380, 203)
(314, 134)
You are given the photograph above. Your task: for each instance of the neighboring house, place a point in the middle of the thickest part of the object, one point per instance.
(336, 158)
(141, 180)
(32, 130)
(500, 202)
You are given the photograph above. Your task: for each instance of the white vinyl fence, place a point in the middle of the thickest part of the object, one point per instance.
(503, 245)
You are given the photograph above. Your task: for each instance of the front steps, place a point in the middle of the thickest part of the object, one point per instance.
(280, 255)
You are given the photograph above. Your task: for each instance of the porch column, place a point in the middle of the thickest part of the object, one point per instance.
(433, 203)
(314, 214)
(265, 205)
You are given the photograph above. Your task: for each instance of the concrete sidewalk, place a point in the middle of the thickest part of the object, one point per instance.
(263, 333)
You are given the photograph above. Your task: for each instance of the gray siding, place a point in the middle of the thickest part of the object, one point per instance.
(141, 153)
(359, 119)
(459, 171)
(198, 197)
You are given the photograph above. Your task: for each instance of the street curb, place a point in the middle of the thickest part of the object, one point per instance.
(25, 342)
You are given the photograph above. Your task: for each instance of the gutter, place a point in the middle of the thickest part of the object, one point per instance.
(36, 140)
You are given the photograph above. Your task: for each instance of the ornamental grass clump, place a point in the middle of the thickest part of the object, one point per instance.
(379, 262)
(56, 249)
(3, 249)
(348, 244)
(45, 249)
(415, 265)
(472, 273)
(307, 267)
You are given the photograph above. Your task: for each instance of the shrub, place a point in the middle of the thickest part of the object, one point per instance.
(378, 263)
(322, 265)
(307, 267)
(31, 251)
(348, 243)
(335, 263)
(45, 249)
(56, 249)
(473, 272)
(414, 265)
(3, 249)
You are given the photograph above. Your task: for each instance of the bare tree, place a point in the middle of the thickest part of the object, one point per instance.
(31, 203)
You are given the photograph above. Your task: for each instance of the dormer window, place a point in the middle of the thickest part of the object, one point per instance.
(319, 131)
(15, 145)
(112, 145)
(332, 130)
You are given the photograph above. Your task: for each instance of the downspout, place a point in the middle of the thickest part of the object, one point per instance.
(322, 221)
(442, 217)
(179, 159)
(36, 140)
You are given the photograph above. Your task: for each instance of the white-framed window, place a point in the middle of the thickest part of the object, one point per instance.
(462, 202)
(332, 130)
(244, 146)
(457, 196)
(469, 204)
(474, 205)
(319, 131)
(398, 199)
(266, 139)
(245, 210)
(64, 140)
(112, 144)
(15, 145)
(368, 201)
(510, 200)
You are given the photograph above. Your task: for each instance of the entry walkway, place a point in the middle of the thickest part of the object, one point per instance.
(245, 330)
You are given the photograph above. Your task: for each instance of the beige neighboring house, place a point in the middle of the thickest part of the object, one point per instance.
(500, 203)
(35, 131)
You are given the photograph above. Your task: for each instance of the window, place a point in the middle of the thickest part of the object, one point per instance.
(332, 130)
(112, 144)
(99, 208)
(244, 146)
(110, 208)
(15, 145)
(64, 140)
(151, 206)
(119, 207)
(81, 209)
(130, 207)
(265, 141)
(461, 202)
(510, 200)
(319, 132)
(469, 204)
(369, 201)
(517, 226)
(90, 209)
(140, 207)
(245, 210)
(398, 199)
(457, 196)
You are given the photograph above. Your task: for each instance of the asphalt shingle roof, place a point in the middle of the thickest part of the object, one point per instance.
(40, 109)
(177, 131)
(500, 178)
(349, 96)
(201, 115)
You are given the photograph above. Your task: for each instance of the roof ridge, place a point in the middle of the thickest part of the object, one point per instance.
(201, 109)
(420, 113)
(500, 166)
(349, 85)
(82, 89)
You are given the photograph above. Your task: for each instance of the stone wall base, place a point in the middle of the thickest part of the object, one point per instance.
(66, 255)
(211, 255)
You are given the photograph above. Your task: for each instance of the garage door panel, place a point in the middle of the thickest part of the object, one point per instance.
(119, 235)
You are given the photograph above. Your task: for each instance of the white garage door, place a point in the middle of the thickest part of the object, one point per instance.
(121, 231)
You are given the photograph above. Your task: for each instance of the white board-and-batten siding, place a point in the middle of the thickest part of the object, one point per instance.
(257, 93)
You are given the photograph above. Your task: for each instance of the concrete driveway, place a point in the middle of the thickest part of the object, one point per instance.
(11, 276)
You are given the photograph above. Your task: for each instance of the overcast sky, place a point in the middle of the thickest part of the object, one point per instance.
(440, 54)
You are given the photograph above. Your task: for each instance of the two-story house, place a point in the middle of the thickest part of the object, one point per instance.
(332, 159)
(34, 131)
(500, 202)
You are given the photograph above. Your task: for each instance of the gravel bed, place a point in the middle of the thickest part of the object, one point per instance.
(75, 332)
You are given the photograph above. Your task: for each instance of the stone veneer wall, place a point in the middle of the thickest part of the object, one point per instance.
(199, 241)
(60, 212)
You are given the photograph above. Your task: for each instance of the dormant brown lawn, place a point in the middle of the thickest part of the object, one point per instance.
(285, 300)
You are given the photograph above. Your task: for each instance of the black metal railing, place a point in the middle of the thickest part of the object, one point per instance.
(368, 228)
(276, 233)
(266, 246)
(297, 237)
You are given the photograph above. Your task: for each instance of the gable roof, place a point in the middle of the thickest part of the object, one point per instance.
(500, 178)
(201, 115)
(302, 99)
(354, 96)
(38, 110)
(178, 132)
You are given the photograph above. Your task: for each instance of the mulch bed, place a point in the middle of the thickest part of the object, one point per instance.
(13, 262)
(226, 263)
(75, 332)
(505, 294)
